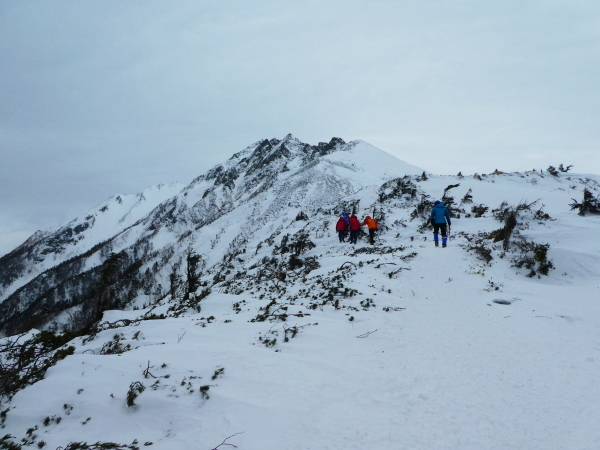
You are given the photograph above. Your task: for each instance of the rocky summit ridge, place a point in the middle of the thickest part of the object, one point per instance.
(48, 279)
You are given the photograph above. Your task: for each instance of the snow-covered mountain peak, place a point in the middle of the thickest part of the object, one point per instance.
(233, 309)
(267, 159)
(372, 161)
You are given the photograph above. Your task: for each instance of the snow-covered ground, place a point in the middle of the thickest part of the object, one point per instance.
(437, 349)
(453, 370)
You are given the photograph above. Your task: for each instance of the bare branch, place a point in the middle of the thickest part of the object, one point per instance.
(224, 441)
(366, 334)
(147, 371)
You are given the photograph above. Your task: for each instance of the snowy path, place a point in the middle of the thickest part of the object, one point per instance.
(452, 371)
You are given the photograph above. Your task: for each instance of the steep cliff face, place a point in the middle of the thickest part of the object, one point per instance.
(59, 276)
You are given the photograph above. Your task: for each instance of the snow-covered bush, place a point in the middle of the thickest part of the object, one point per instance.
(524, 253)
(589, 204)
(135, 389)
(478, 244)
(115, 346)
(479, 210)
(24, 359)
(532, 256)
(398, 188)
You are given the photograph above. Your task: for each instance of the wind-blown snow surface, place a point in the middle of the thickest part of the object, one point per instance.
(437, 350)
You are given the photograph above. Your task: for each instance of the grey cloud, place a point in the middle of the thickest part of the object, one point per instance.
(99, 98)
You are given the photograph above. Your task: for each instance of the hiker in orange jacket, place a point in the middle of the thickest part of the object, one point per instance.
(370, 222)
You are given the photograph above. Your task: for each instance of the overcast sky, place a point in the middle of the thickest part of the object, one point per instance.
(110, 97)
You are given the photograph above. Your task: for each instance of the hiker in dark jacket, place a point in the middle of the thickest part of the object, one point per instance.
(440, 217)
(340, 227)
(354, 227)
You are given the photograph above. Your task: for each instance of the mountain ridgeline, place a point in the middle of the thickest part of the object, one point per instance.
(248, 225)
(121, 251)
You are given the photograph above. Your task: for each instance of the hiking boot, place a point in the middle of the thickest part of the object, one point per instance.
(437, 244)
(444, 245)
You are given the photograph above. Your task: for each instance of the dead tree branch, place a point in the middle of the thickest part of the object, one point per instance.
(366, 334)
(147, 371)
(225, 440)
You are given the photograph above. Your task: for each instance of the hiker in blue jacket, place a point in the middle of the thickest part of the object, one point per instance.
(346, 219)
(439, 218)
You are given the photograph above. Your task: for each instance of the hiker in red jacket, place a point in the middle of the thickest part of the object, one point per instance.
(340, 227)
(354, 227)
(370, 222)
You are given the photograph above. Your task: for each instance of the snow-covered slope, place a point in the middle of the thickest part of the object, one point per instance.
(292, 340)
(47, 249)
(266, 184)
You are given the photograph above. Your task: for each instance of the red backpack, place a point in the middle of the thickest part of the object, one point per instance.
(341, 225)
